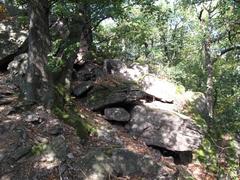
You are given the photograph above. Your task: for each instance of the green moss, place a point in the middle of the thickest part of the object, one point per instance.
(72, 118)
(62, 95)
(40, 148)
(98, 95)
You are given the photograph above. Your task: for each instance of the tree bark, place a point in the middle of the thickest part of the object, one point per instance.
(86, 33)
(209, 70)
(39, 87)
(208, 59)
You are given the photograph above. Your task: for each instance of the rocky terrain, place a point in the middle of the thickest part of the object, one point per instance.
(140, 126)
(140, 129)
(125, 122)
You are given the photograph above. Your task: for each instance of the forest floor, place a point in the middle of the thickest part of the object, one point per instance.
(26, 131)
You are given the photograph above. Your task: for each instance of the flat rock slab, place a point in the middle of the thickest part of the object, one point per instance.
(166, 129)
(159, 88)
(110, 163)
(116, 114)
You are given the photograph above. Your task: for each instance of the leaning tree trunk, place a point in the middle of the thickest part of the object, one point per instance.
(38, 86)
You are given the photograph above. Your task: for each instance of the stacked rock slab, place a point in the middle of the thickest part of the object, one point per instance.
(166, 129)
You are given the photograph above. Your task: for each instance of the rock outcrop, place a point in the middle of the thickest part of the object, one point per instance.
(118, 147)
(154, 104)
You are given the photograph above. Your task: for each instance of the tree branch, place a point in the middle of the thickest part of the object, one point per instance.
(99, 21)
(226, 50)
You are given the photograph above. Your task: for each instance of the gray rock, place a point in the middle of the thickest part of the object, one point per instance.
(199, 102)
(81, 88)
(116, 114)
(55, 130)
(117, 67)
(18, 69)
(150, 83)
(60, 147)
(108, 135)
(3, 129)
(101, 96)
(21, 152)
(104, 101)
(166, 129)
(113, 66)
(160, 88)
(88, 72)
(104, 163)
(33, 118)
(11, 37)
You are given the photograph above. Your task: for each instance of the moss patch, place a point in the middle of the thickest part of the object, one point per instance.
(72, 118)
(40, 148)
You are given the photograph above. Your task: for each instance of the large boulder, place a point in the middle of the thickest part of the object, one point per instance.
(113, 163)
(112, 66)
(165, 129)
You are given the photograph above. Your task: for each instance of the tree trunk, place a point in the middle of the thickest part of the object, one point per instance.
(39, 87)
(209, 70)
(86, 33)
